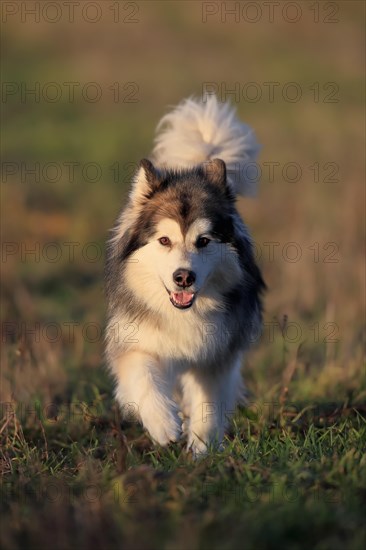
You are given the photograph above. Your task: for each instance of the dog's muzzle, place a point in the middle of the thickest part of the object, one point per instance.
(183, 299)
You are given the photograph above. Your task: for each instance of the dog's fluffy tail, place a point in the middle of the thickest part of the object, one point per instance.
(197, 131)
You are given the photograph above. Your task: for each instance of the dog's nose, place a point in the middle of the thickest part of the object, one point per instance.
(184, 277)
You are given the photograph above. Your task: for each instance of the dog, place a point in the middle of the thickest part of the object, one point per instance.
(182, 284)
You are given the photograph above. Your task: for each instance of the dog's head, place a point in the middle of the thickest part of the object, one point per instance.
(181, 247)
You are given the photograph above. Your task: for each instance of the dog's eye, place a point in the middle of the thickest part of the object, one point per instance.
(165, 241)
(202, 242)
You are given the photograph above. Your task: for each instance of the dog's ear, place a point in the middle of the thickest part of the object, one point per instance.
(146, 181)
(215, 172)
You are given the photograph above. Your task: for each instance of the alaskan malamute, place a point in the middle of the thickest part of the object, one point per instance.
(183, 287)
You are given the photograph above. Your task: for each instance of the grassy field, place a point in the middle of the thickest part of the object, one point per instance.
(293, 471)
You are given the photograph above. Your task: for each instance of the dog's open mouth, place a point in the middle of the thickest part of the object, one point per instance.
(182, 299)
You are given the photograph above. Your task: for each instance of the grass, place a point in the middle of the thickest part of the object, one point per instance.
(74, 475)
(292, 473)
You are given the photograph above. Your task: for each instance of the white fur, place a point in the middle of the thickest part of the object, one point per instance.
(150, 269)
(178, 360)
(200, 130)
(149, 370)
(144, 385)
(209, 400)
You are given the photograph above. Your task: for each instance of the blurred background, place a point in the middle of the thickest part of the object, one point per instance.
(83, 87)
(83, 90)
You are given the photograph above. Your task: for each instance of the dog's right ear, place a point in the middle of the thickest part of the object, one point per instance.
(146, 181)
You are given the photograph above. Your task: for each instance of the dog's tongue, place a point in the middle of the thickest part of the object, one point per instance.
(183, 297)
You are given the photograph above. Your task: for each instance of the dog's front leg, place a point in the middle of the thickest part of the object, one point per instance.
(143, 386)
(210, 399)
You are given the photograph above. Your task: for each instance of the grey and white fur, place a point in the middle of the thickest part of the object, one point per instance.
(183, 288)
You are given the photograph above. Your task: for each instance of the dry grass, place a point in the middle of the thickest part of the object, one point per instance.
(304, 429)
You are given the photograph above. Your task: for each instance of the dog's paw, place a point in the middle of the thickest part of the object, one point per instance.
(185, 424)
(163, 426)
(201, 446)
(198, 448)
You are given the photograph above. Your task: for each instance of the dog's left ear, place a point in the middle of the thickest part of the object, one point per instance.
(215, 172)
(146, 181)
